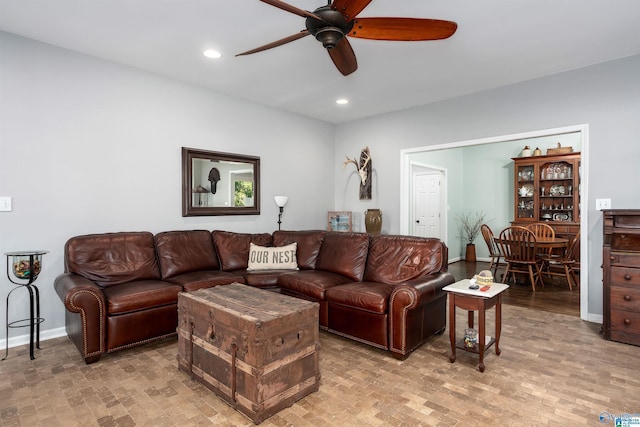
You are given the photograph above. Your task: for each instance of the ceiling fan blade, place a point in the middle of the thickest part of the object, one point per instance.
(350, 8)
(343, 57)
(277, 43)
(289, 8)
(402, 29)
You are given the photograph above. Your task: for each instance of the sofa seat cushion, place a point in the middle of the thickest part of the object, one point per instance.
(312, 283)
(185, 251)
(140, 295)
(263, 278)
(368, 296)
(205, 279)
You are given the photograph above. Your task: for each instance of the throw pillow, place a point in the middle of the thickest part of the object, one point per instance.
(272, 258)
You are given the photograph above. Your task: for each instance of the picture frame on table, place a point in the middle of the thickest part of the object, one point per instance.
(339, 221)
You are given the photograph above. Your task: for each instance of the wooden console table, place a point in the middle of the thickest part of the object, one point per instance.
(475, 300)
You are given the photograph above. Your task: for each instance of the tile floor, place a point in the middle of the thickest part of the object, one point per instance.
(554, 370)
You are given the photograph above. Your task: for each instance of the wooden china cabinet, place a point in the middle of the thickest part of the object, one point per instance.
(547, 189)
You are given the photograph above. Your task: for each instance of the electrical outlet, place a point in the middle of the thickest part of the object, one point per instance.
(5, 204)
(602, 204)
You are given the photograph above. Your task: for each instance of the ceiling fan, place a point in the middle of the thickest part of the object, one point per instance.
(331, 24)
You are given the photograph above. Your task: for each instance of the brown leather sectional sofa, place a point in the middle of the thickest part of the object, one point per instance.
(121, 289)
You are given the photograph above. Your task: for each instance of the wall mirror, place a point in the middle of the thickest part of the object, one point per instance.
(215, 183)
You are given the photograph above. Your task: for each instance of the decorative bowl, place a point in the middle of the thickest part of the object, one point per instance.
(484, 278)
(22, 268)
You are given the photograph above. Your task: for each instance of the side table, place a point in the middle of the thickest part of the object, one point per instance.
(23, 268)
(475, 300)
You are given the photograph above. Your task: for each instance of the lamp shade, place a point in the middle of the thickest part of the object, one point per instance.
(281, 200)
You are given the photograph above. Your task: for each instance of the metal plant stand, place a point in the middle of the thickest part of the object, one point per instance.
(22, 270)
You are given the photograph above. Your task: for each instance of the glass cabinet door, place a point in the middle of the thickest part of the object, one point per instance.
(557, 192)
(525, 191)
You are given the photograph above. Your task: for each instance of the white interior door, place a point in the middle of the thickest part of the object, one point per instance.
(426, 201)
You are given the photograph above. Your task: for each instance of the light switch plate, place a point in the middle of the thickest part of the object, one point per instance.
(5, 204)
(602, 204)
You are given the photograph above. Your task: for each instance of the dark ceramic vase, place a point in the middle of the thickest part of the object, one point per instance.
(373, 221)
(471, 253)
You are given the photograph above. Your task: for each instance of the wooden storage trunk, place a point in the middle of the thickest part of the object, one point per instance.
(255, 349)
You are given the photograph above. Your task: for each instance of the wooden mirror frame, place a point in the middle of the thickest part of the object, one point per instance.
(188, 208)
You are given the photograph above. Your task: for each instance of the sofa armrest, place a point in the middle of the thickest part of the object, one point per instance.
(417, 310)
(413, 293)
(86, 314)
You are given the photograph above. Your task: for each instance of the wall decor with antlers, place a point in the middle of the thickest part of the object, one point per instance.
(364, 170)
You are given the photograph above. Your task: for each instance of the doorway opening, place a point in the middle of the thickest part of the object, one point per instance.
(498, 195)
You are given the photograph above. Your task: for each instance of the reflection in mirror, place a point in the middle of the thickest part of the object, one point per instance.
(215, 183)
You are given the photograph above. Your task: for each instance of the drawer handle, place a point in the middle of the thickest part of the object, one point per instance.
(627, 297)
(627, 277)
(627, 322)
(612, 258)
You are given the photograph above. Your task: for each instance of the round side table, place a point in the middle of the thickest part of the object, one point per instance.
(23, 268)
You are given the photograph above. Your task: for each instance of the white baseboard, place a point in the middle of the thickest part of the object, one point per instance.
(595, 318)
(24, 339)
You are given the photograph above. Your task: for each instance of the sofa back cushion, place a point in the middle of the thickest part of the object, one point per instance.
(395, 259)
(233, 248)
(309, 243)
(112, 258)
(344, 253)
(185, 251)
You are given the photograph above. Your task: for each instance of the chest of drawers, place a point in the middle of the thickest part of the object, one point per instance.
(621, 275)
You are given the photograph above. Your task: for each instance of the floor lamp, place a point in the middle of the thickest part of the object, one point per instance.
(281, 201)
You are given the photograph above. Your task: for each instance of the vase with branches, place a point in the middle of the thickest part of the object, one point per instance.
(470, 223)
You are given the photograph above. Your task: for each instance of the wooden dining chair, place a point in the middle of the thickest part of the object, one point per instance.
(494, 250)
(567, 262)
(519, 249)
(542, 230)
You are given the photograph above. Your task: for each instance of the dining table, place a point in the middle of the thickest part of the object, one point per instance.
(553, 243)
(545, 242)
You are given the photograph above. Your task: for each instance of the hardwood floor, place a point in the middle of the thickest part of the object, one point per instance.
(555, 297)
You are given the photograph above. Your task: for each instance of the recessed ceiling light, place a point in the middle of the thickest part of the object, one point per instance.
(213, 54)
(342, 101)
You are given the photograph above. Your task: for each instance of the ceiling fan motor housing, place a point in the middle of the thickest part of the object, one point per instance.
(331, 29)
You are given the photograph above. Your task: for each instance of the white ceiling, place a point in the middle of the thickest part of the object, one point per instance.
(498, 42)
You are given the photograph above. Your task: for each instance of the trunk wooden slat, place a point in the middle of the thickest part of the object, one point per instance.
(255, 349)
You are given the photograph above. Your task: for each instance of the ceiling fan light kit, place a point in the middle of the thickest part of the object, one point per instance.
(331, 25)
(330, 29)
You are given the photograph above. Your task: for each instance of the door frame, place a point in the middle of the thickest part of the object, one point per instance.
(425, 169)
(583, 129)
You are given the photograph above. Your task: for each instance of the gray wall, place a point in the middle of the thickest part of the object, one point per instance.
(604, 96)
(88, 146)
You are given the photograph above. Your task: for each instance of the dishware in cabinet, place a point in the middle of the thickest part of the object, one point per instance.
(525, 190)
(547, 189)
(557, 191)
